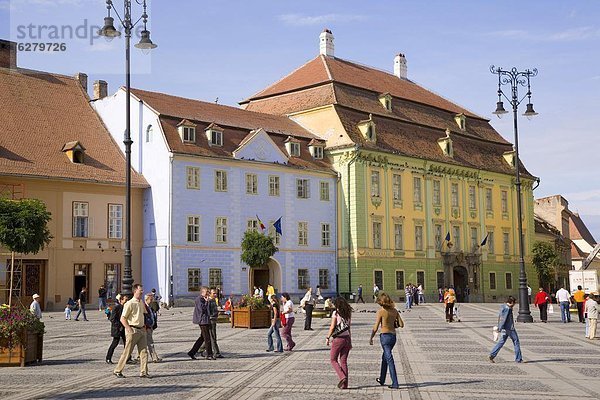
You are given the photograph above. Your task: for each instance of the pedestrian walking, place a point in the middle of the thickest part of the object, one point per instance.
(117, 330)
(35, 307)
(421, 294)
(308, 303)
(449, 300)
(202, 318)
(579, 297)
(340, 339)
(591, 311)
(151, 327)
(359, 293)
(564, 299)
(408, 293)
(541, 301)
(275, 325)
(288, 312)
(213, 311)
(387, 319)
(441, 295)
(375, 291)
(102, 298)
(133, 319)
(81, 300)
(506, 327)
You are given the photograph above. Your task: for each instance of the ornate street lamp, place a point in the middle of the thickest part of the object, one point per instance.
(514, 79)
(109, 32)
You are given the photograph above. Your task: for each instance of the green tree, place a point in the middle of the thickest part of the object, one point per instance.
(23, 229)
(257, 249)
(545, 260)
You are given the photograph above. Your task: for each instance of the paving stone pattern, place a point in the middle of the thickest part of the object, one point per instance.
(435, 360)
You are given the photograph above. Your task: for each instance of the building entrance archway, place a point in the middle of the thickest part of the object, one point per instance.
(262, 276)
(461, 282)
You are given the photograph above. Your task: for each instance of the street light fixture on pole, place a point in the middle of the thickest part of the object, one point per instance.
(145, 44)
(514, 79)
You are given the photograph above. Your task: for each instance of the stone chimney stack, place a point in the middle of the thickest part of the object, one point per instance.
(100, 89)
(8, 54)
(82, 78)
(400, 68)
(326, 43)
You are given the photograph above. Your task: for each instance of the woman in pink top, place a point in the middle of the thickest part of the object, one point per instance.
(341, 343)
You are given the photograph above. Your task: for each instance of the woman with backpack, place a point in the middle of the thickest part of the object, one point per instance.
(151, 325)
(340, 339)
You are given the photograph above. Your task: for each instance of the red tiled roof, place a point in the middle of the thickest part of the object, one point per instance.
(41, 113)
(578, 229)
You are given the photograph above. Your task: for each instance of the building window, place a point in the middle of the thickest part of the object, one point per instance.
(437, 193)
(273, 234)
(375, 184)
(504, 200)
(508, 280)
(215, 277)
(302, 188)
(251, 184)
(474, 242)
(149, 134)
(454, 195)
(252, 225)
(490, 242)
(325, 235)
(220, 181)
(439, 275)
(193, 177)
(273, 185)
(378, 279)
(456, 236)
(189, 134)
(472, 198)
(377, 235)
(417, 198)
(303, 279)
(302, 233)
(295, 149)
(216, 138)
(318, 152)
(194, 279)
(115, 221)
(438, 237)
(324, 191)
(400, 280)
(80, 219)
(193, 229)
(418, 238)
(398, 240)
(492, 280)
(506, 242)
(489, 206)
(221, 230)
(324, 278)
(112, 283)
(397, 187)
(421, 279)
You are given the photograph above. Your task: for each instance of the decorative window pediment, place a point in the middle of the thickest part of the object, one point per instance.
(510, 158)
(292, 145)
(445, 144)
(316, 149)
(75, 151)
(367, 128)
(187, 131)
(461, 121)
(386, 100)
(214, 135)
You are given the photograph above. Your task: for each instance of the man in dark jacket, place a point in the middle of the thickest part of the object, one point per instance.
(81, 300)
(202, 318)
(117, 331)
(213, 310)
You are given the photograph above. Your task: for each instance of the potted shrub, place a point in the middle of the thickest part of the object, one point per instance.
(251, 312)
(21, 336)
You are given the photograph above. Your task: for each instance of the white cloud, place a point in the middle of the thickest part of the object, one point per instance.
(305, 20)
(568, 35)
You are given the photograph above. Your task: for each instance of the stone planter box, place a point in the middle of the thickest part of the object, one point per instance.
(243, 317)
(21, 355)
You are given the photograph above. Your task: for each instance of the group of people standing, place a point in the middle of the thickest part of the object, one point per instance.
(414, 295)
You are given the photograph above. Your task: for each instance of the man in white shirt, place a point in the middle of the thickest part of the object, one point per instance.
(591, 316)
(35, 307)
(563, 297)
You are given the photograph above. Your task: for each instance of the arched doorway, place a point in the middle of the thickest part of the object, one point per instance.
(461, 282)
(262, 276)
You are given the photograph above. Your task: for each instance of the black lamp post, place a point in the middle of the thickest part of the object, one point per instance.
(514, 79)
(145, 44)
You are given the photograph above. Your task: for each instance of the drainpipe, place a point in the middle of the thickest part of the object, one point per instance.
(171, 299)
(356, 148)
(337, 224)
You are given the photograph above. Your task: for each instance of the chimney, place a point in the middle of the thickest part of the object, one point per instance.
(82, 78)
(400, 66)
(8, 54)
(326, 43)
(100, 89)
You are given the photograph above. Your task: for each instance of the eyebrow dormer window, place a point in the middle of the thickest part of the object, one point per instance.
(386, 101)
(461, 121)
(75, 151)
(368, 129)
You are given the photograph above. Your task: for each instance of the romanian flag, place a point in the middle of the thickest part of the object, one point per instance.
(262, 226)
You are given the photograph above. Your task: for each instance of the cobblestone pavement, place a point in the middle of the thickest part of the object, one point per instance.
(435, 360)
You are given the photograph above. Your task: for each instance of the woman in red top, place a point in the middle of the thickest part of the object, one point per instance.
(541, 301)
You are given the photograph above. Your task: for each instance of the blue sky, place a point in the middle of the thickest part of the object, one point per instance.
(232, 49)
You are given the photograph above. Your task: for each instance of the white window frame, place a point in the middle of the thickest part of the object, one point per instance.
(375, 183)
(302, 233)
(397, 187)
(472, 197)
(454, 195)
(324, 191)
(376, 234)
(302, 188)
(437, 192)
(216, 138)
(193, 177)
(323, 278)
(221, 230)
(193, 229)
(325, 235)
(438, 236)
(456, 236)
(194, 279)
(303, 279)
(418, 237)
(81, 212)
(504, 201)
(274, 185)
(251, 183)
(506, 243)
(294, 149)
(220, 180)
(188, 134)
(252, 224)
(115, 221)
(417, 190)
(215, 277)
(318, 152)
(398, 236)
(489, 199)
(474, 237)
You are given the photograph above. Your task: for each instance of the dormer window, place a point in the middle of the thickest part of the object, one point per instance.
(187, 131)
(445, 144)
(318, 152)
(367, 128)
(316, 148)
(510, 158)
(461, 121)
(292, 146)
(214, 134)
(386, 101)
(75, 151)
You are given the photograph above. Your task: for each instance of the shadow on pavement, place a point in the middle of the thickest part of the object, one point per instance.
(124, 392)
